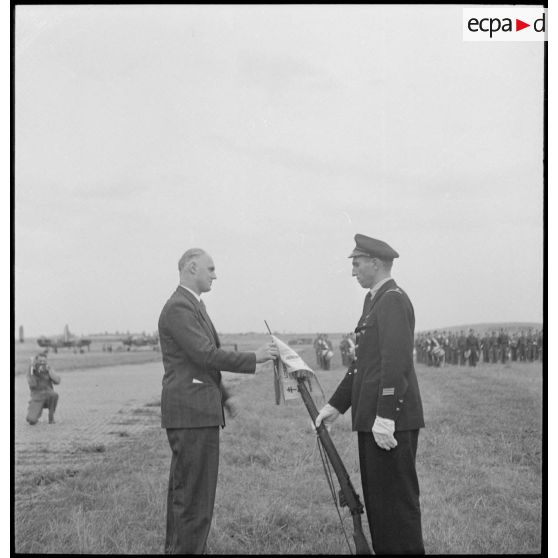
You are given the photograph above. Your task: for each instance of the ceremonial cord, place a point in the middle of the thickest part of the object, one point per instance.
(329, 477)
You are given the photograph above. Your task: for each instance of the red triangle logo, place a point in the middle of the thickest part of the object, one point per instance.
(519, 25)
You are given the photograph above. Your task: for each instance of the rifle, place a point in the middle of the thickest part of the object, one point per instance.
(347, 494)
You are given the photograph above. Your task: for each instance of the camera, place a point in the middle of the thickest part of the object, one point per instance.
(40, 369)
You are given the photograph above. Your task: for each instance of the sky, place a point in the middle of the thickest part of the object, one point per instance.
(269, 136)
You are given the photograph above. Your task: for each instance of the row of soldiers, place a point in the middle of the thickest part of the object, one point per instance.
(437, 348)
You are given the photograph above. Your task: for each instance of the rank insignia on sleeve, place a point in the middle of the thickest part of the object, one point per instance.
(388, 391)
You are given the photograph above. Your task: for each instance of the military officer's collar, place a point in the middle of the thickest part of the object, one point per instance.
(378, 286)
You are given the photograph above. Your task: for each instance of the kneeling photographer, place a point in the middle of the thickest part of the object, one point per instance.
(41, 378)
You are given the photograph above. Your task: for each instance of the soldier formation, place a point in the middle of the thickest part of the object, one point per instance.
(468, 348)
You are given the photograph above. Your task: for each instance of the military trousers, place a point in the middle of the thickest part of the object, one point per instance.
(391, 493)
(39, 401)
(191, 490)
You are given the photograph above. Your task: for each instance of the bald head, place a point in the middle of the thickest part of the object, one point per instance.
(197, 270)
(188, 256)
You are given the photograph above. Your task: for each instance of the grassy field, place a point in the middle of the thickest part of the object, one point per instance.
(479, 464)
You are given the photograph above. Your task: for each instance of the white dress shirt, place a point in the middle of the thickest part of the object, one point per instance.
(198, 297)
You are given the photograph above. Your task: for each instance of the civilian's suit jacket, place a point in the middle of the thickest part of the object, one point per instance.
(192, 394)
(381, 380)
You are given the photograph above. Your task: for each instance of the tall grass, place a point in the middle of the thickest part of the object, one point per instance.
(479, 464)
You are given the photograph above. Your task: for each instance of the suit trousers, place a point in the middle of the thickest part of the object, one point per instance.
(391, 493)
(192, 486)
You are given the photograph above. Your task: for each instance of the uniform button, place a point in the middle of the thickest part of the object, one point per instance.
(355, 371)
(397, 409)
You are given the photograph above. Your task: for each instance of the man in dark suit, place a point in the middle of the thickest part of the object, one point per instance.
(192, 402)
(382, 390)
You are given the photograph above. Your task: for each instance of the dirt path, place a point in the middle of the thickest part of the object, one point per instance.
(97, 407)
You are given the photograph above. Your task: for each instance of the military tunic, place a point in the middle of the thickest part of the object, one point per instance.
(382, 381)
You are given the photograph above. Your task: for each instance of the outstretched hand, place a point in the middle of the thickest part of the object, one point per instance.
(266, 352)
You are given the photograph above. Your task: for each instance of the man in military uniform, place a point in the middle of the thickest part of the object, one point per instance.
(419, 348)
(432, 343)
(540, 345)
(436, 351)
(514, 341)
(522, 347)
(445, 345)
(351, 352)
(317, 349)
(425, 347)
(321, 349)
(41, 378)
(503, 342)
(382, 389)
(535, 345)
(530, 347)
(462, 347)
(344, 350)
(494, 348)
(327, 352)
(454, 350)
(485, 347)
(472, 348)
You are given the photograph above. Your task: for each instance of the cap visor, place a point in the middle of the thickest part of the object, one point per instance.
(357, 252)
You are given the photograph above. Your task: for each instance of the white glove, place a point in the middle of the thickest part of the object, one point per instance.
(383, 430)
(328, 414)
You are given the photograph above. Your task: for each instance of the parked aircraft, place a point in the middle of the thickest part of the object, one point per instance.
(141, 340)
(66, 341)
